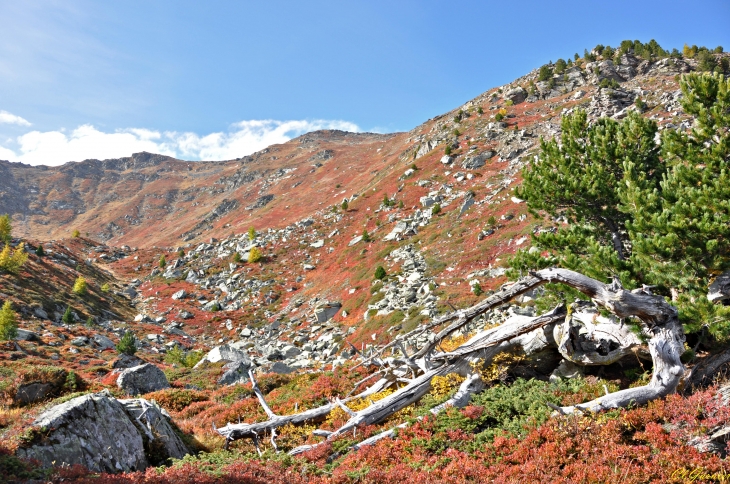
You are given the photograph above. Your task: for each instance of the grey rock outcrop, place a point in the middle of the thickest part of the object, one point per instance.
(104, 434)
(516, 95)
(477, 161)
(142, 379)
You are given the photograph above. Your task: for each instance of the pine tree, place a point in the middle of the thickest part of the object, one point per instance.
(251, 234)
(39, 251)
(365, 236)
(345, 205)
(163, 261)
(8, 322)
(75, 234)
(681, 234)
(6, 228)
(662, 222)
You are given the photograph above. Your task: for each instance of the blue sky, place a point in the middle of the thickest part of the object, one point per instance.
(216, 80)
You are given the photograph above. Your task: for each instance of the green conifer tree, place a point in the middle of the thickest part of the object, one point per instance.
(8, 322)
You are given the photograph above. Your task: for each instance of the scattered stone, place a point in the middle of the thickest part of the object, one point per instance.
(181, 294)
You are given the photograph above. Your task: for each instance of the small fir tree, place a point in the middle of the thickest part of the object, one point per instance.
(163, 261)
(436, 209)
(251, 234)
(127, 344)
(365, 236)
(345, 205)
(380, 273)
(6, 228)
(39, 251)
(8, 322)
(68, 317)
(75, 234)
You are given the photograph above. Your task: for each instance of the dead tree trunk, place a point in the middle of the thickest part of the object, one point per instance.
(584, 341)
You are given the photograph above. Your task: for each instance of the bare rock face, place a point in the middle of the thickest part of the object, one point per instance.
(142, 379)
(104, 434)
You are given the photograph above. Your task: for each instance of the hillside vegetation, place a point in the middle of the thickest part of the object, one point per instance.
(416, 291)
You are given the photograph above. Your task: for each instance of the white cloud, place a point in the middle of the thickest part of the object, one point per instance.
(245, 137)
(9, 118)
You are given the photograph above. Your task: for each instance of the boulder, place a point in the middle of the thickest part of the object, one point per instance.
(47, 384)
(142, 379)
(324, 312)
(80, 341)
(104, 434)
(225, 353)
(181, 294)
(40, 313)
(25, 335)
(127, 361)
(236, 372)
(102, 342)
(477, 161)
(281, 368)
(516, 95)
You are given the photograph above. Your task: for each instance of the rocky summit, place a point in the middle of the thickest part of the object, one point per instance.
(499, 290)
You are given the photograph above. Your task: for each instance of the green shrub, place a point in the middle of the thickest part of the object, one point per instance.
(447, 150)
(237, 258)
(163, 261)
(39, 251)
(436, 209)
(251, 234)
(366, 236)
(188, 359)
(105, 287)
(345, 205)
(126, 345)
(477, 289)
